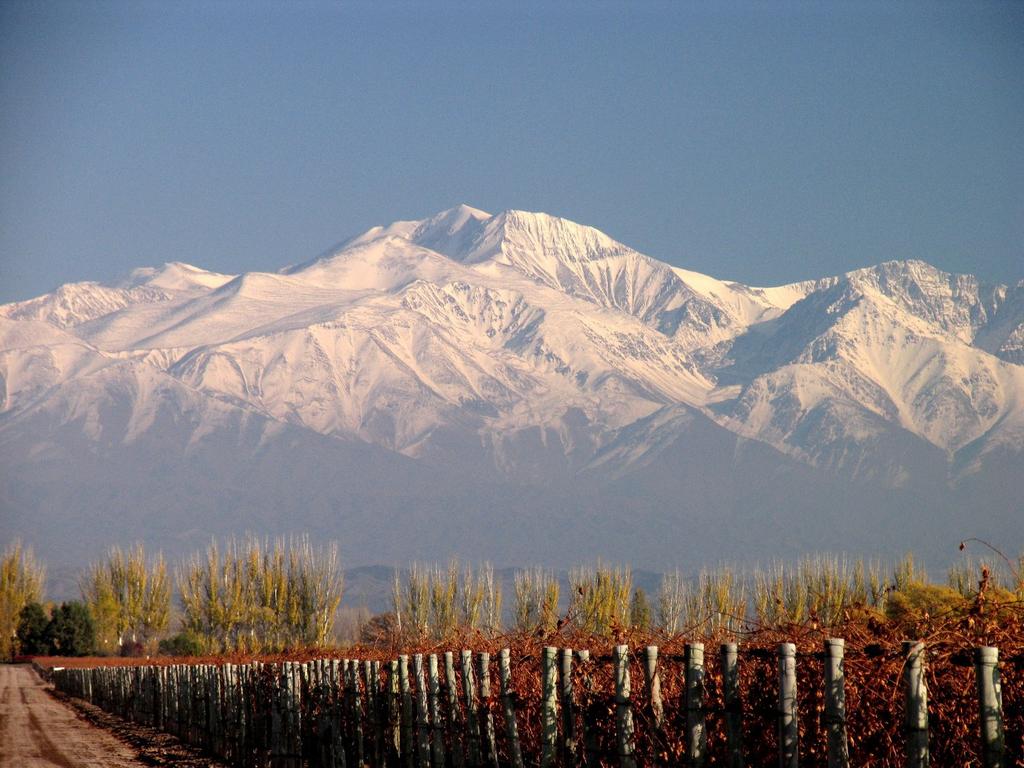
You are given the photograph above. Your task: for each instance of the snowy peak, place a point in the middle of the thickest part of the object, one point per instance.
(1004, 335)
(870, 355)
(958, 304)
(175, 276)
(573, 259)
(584, 263)
(76, 303)
(453, 232)
(480, 328)
(535, 243)
(549, 239)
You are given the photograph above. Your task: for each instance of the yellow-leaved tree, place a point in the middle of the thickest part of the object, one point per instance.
(260, 596)
(21, 582)
(128, 598)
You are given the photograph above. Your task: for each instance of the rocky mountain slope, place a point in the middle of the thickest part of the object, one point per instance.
(520, 387)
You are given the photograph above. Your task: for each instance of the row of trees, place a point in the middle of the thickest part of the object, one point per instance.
(68, 631)
(257, 595)
(822, 589)
(435, 601)
(251, 595)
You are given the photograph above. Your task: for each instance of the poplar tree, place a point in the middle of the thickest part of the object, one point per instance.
(21, 582)
(536, 593)
(257, 596)
(128, 599)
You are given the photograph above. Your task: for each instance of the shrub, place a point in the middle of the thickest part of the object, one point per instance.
(70, 631)
(181, 644)
(380, 629)
(434, 602)
(32, 622)
(599, 597)
(919, 602)
(132, 649)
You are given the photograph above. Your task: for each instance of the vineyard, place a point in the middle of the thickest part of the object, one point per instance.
(823, 662)
(774, 697)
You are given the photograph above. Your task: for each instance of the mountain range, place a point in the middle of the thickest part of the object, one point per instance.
(516, 387)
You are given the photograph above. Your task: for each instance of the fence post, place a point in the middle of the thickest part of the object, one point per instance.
(371, 679)
(789, 730)
(437, 742)
(623, 707)
(916, 705)
(590, 743)
(472, 725)
(454, 713)
(549, 708)
(357, 709)
(228, 718)
(277, 717)
(295, 713)
(696, 731)
(257, 701)
(382, 691)
(835, 703)
(490, 746)
(408, 749)
(235, 744)
(205, 706)
(652, 676)
(216, 718)
(422, 724)
(733, 704)
(338, 713)
(511, 728)
(393, 748)
(990, 705)
(568, 709)
(298, 722)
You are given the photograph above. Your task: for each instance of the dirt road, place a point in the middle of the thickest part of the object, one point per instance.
(36, 730)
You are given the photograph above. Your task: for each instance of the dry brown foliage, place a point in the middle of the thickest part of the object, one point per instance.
(874, 685)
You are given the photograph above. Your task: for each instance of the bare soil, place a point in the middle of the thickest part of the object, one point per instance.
(41, 728)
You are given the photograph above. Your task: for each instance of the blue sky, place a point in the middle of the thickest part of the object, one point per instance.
(761, 142)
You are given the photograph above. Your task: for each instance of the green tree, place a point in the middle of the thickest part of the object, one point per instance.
(32, 622)
(71, 631)
(21, 583)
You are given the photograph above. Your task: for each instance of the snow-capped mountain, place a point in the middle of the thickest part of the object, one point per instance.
(454, 370)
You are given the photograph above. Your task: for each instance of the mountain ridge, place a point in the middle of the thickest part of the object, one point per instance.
(520, 348)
